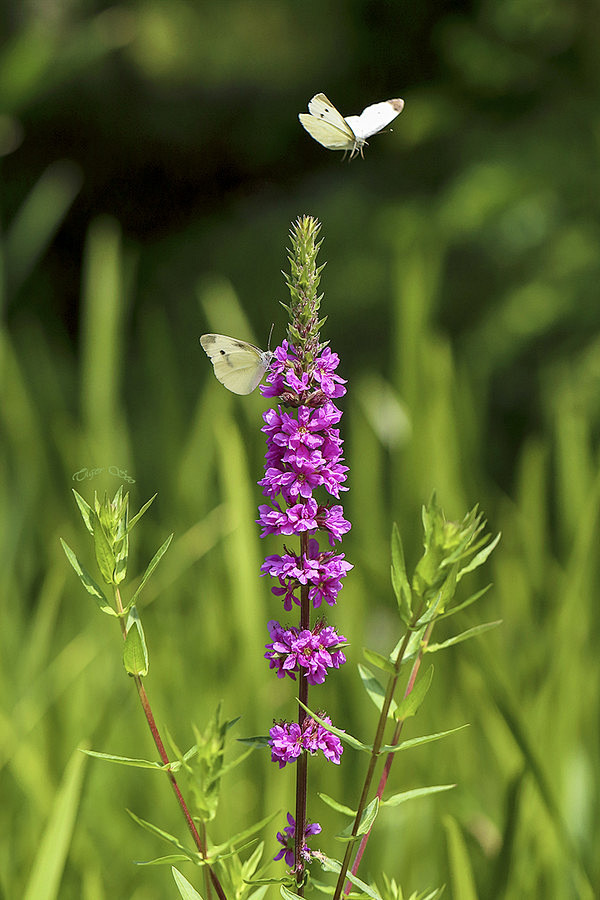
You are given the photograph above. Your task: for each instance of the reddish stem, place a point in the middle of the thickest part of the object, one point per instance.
(302, 764)
(200, 844)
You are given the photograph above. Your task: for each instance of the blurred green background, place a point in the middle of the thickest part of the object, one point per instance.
(152, 163)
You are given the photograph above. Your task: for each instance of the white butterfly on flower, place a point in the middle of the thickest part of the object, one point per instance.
(329, 127)
(238, 365)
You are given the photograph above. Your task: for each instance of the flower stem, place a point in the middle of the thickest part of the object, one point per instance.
(200, 844)
(302, 765)
(378, 741)
(390, 757)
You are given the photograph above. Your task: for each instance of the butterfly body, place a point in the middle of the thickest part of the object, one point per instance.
(238, 365)
(329, 127)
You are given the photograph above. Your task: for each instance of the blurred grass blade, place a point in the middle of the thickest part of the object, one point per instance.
(104, 294)
(44, 881)
(38, 220)
(463, 883)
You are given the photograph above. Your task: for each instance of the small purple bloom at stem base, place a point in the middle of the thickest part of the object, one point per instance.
(287, 840)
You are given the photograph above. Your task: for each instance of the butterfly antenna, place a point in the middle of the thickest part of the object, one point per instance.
(270, 333)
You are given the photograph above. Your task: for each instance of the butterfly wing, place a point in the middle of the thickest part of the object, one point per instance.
(375, 117)
(238, 365)
(326, 125)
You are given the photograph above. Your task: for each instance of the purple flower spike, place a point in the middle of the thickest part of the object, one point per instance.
(304, 478)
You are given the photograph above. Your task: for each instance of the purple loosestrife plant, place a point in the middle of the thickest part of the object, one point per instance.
(303, 470)
(303, 482)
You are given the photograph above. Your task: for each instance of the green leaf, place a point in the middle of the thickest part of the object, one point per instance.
(397, 799)
(139, 514)
(464, 636)
(413, 648)
(375, 690)
(165, 836)
(382, 662)
(400, 582)
(135, 652)
(463, 882)
(260, 740)
(151, 566)
(132, 761)
(344, 736)
(163, 860)
(287, 894)
(104, 554)
(88, 582)
(460, 606)
(87, 513)
(424, 739)
(184, 887)
(339, 807)
(332, 865)
(121, 557)
(480, 557)
(366, 823)
(409, 705)
(217, 850)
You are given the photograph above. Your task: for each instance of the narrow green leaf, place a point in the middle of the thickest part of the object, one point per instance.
(151, 566)
(88, 582)
(132, 761)
(460, 606)
(53, 849)
(165, 836)
(480, 557)
(400, 582)
(87, 513)
(376, 659)
(139, 514)
(163, 860)
(424, 739)
(368, 817)
(184, 887)
(218, 850)
(375, 690)
(332, 865)
(104, 554)
(121, 557)
(464, 636)
(344, 736)
(135, 652)
(287, 894)
(339, 807)
(462, 880)
(397, 799)
(366, 823)
(260, 740)
(409, 706)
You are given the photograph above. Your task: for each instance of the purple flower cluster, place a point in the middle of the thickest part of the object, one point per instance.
(313, 651)
(301, 388)
(288, 838)
(289, 739)
(321, 570)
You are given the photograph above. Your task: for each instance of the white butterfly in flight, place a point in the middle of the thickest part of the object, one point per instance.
(329, 127)
(238, 365)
